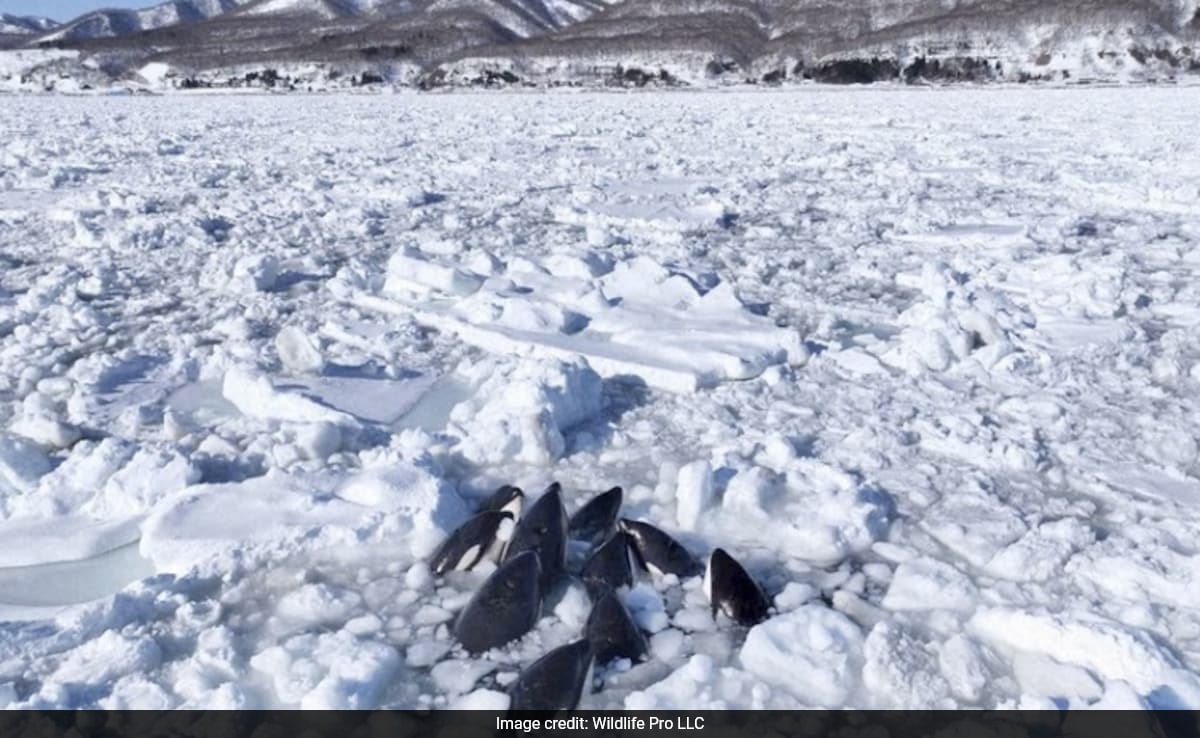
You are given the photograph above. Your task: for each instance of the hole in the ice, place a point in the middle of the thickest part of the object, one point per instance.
(707, 280)
(223, 469)
(815, 348)
(759, 308)
(805, 446)
(1142, 302)
(722, 477)
(977, 341)
(287, 280)
(847, 330)
(1155, 329)
(427, 198)
(574, 323)
(216, 227)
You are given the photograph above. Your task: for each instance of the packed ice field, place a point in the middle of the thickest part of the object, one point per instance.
(925, 361)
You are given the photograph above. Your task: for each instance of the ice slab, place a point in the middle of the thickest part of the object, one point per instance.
(30, 542)
(62, 583)
(366, 399)
(641, 320)
(207, 520)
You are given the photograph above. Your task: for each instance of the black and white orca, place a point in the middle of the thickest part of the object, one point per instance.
(556, 681)
(733, 591)
(543, 530)
(596, 520)
(610, 566)
(612, 632)
(658, 552)
(471, 542)
(505, 608)
(506, 499)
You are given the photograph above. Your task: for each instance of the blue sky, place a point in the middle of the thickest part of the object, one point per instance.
(62, 10)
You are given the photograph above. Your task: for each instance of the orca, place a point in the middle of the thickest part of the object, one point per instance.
(470, 543)
(506, 499)
(596, 520)
(733, 591)
(658, 552)
(543, 530)
(556, 681)
(612, 632)
(505, 608)
(610, 566)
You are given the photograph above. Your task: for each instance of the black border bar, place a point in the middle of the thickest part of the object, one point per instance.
(595, 724)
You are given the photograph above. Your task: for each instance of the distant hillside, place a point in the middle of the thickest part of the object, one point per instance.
(306, 43)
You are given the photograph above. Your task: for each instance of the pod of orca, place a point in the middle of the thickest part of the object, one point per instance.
(531, 550)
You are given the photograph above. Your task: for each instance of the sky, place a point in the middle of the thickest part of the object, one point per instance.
(62, 10)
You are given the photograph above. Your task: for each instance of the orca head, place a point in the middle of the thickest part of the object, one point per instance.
(555, 682)
(504, 608)
(597, 519)
(733, 591)
(658, 552)
(613, 632)
(611, 566)
(507, 499)
(543, 530)
(469, 543)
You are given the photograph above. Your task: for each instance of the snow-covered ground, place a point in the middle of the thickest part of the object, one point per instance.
(926, 361)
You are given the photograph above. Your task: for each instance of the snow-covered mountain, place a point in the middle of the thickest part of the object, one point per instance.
(112, 23)
(651, 41)
(14, 25)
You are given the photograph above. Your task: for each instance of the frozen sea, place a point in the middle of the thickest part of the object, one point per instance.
(927, 361)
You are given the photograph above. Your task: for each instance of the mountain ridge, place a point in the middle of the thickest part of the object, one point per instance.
(637, 42)
(13, 25)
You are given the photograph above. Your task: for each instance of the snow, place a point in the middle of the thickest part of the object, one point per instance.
(1110, 651)
(926, 584)
(22, 463)
(482, 699)
(207, 520)
(329, 671)
(636, 318)
(810, 653)
(924, 361)
(693, 493)
(256, 397)
(520, 413)
(458, 676)
(320, 8)
(279, 510)
(41, 541)
(297, 352)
